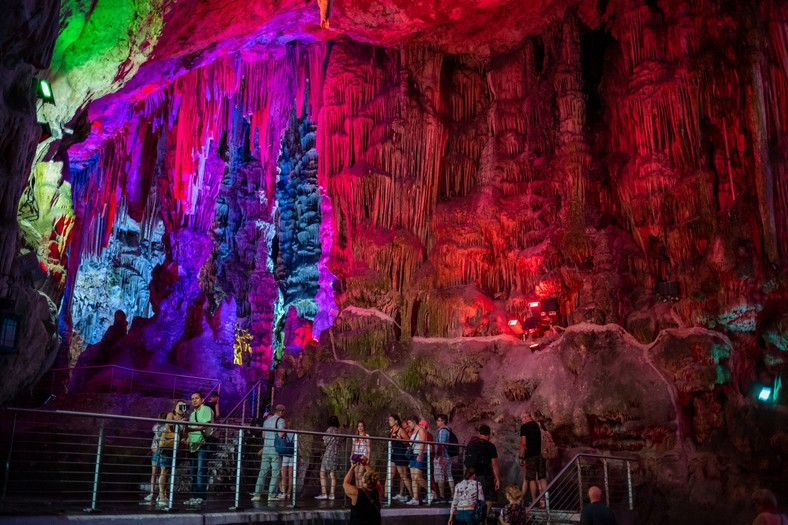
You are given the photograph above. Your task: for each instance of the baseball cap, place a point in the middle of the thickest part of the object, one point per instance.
(424, 423)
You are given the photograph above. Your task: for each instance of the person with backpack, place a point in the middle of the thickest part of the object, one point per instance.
(444, 459)
(270, 460)
(482, 456)
(531, 456)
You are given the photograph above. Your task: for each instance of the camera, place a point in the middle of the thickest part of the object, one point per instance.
(358, 458)
(181, 408)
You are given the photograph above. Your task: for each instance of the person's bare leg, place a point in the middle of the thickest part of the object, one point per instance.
(163, 483)
(532, 488)
(323, 483)
(153, 478)
(404, 481)
(333, 483)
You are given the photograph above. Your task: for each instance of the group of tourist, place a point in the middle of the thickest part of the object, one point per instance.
(412, 446)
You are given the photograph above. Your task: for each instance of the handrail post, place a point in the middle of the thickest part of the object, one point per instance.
(389, 473)
(607, 482)
(239, 455)
(629, 486)
(429, 474)
(94, 497)
(174, 466)
(174, 382)
(547, 506)
(580, 483)
(8, 457)
(295, 471)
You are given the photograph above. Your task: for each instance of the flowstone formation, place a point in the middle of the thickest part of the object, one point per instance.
(374, 195)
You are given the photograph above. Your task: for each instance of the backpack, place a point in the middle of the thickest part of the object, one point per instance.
(474, 455)
(549, 450)
(284, 446)
(452, 440)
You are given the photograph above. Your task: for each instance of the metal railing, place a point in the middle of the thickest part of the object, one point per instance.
(115, 379)
(250, 407)
(563, 499)
(61, 461)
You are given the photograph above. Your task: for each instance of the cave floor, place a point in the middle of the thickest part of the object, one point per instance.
(216, 512)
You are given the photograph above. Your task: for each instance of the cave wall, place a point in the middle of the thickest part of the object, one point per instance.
(408, 200)
(27, 35)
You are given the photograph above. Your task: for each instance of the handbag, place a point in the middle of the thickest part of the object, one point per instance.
(480, 509)
(167, 439)
(409, 455)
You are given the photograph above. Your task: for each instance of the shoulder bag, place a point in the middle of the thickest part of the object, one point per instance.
(480, 509)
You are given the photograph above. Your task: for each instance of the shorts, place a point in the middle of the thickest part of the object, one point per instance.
(488, 484)
(154, 457)
(421, 465)
(441, 467)
(287, 461)
(164, 458)
(535, 467)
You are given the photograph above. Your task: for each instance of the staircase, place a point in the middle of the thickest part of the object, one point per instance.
(563, 500)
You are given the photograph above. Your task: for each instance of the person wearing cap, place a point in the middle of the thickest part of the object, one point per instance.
(270, 460)
(432, 454)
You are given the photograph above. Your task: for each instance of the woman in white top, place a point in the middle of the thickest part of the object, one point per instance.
(362, 451)
(466, 494)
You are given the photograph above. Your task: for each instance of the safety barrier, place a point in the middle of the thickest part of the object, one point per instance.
(563, 500)
(115, 379)
(100, 461)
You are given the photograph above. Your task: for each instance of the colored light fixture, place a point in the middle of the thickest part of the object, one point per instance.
(513, 322)
(533, 304)
(44, 90)
(765, 394)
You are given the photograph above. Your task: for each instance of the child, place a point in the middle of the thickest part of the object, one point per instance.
(158, 430)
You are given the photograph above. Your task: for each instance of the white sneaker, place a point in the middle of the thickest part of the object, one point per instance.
(414, 501)
(149, 497)
(322, 496)
(276, 497)
(331, 496)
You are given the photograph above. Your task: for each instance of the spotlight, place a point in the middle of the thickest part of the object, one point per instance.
(534, 347)
(513, 322)
(765, 394)
(44, 90)
(533, 304)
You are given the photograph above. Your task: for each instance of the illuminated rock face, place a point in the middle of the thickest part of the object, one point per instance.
(410, 184)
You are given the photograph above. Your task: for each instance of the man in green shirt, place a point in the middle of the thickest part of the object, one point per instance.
(198, 448)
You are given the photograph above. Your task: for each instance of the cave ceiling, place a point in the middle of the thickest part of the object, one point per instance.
(112, 54)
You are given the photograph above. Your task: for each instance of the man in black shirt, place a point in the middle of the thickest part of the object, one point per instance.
(596, 512)
(484, 457)
(531, 457)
